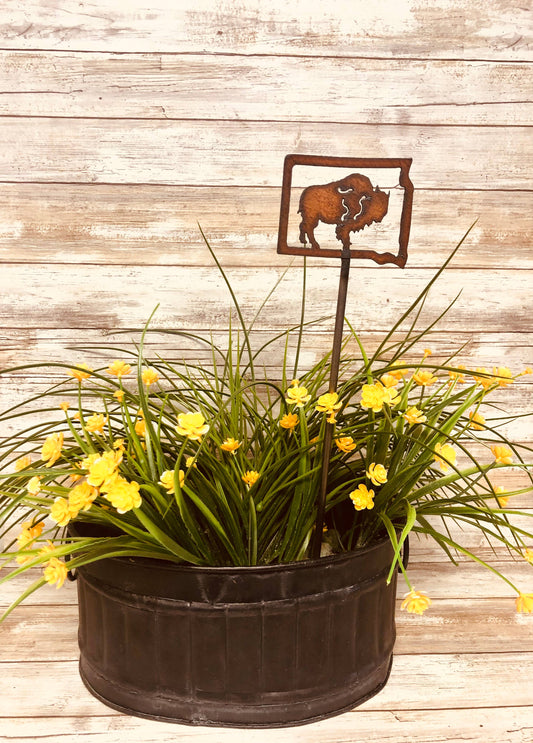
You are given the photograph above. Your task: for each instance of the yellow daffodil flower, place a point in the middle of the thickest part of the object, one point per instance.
(377, 474)
(424, 378)
(502, 454)
(362, 498)
(95, 423)
(34, 485)
(416, 602)
(167, 480)
(414, 415)
(445, 455)
(524, 603)
(457, 375)
(502, 501)
(528, 555)
(250, 477)
(84, 372)
(328, 403)
(503, 374)
(289, 421)
(51, 450)
(230, 445)
(60, 512)
(55, 572)
(119, 369)
(149, 376)
(477, 421)
(124, 495)
(23, 462)
(192, 425)
(346, 444)
(81, 497)
(297, 396)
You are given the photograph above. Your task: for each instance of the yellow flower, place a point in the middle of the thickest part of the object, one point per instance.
(398, 373)
(345, 444)
(79, 374)
(362, 498)
(416, 602)
(140, 427)
(502, 502)
(34, 530)
(60, 512)
(477, 421)
(414, 415)
(55, 572)
(374, 396)
(427, 352)
(230, 445)
(424, 378)
(527, 370)
(502, 454)
(119, 394)
(528, 555)
(29, 533)
(22, 463)
(119, 369)
(503, 374)
(524, 603)
(250, 477)
(124, 495)
(81, 498)
(34, 485)
(377, 474)
(457, 375)
(167, 480)
(328, 404)
(102, 468)
(289, 421)
(190, 462)
(192, 425)
(389, 380)
(297, 395)
(445, 455)
(95, 423)
(484, 382)
(149, 376)
(51, 450)
(119, 444)
(64, 406)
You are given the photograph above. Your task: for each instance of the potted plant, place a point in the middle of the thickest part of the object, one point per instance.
(183, 497)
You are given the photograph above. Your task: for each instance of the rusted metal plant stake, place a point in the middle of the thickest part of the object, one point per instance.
(351, 204)
(333, 379)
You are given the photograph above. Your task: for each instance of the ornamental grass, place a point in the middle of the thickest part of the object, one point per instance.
(218, 465)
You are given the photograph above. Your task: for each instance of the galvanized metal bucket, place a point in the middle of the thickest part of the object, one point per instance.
(267, 646)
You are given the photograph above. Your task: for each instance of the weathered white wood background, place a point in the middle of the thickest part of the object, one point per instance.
(125, 123)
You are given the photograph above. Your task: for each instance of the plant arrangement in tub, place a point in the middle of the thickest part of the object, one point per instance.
(219, 465)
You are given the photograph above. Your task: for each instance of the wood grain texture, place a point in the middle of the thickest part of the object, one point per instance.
(409, 28)
(209, 87)
(196, 297)
(158, 225)
(489, 725)
(251, 153)
(123, 125)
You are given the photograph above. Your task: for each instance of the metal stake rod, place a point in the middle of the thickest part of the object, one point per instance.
(316, 541)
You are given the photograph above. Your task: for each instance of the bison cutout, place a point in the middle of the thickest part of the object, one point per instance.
(351, 204)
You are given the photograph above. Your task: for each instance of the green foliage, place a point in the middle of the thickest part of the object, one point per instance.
(219, 465)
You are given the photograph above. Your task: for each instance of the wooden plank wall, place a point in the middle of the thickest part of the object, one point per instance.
(125, 123)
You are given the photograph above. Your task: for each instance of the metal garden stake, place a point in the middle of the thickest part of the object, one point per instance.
(350, 203)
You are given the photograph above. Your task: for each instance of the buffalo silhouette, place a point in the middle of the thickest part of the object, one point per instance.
(351, 204)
